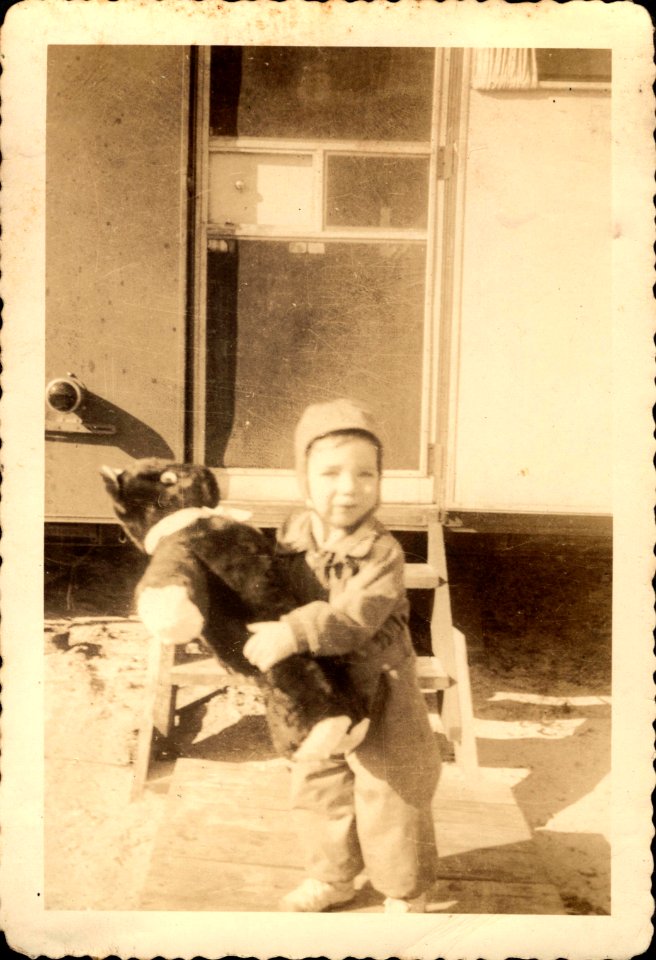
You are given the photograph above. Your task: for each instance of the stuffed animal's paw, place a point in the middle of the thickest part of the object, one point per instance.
(331, 737)
(169, 614)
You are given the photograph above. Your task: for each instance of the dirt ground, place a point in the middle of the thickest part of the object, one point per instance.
(537, 619)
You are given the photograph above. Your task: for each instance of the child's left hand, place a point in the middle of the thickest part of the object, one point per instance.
(271, 642)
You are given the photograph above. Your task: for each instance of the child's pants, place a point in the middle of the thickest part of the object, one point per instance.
(371, 808)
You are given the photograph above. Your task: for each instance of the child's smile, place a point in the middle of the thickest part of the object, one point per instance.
(343, 480)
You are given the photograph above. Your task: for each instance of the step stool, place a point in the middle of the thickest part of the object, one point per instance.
(443, 676)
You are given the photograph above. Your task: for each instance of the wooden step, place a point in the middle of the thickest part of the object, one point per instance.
(199, 673)
(421, 576)
(432, 675)
(209, 672)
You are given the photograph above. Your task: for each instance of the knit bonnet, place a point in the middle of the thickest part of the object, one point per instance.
(334, 416)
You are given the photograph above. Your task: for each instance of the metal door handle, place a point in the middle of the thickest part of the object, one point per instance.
(65, 394)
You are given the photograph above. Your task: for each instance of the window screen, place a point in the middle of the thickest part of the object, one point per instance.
(321, 92)
(291, 324)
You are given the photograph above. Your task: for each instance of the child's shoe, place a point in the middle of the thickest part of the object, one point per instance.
(313, 896)
(416, 905)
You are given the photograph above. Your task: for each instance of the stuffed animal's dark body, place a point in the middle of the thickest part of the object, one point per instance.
(209, 576)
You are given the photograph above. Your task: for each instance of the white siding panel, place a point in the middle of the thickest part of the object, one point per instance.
(533, 393)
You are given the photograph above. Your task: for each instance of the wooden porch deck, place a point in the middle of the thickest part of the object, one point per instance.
(227, 842)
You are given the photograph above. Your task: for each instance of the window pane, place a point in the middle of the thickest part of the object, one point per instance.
(262, 189)
(377, 192)
(289, 328)
(590, 65)
(321, 92)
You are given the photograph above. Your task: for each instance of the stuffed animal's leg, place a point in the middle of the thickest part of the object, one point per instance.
(313, 712)
(169, 614)
(331, 737)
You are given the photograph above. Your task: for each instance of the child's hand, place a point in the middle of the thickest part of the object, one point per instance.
(271, 642)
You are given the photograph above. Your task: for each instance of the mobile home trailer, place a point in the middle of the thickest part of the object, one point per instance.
(233, 232)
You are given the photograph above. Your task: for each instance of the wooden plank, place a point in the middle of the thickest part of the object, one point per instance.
(490, 521)
(250, 801)
(204, 885)
(510, 863)
(495, 897)
(228, 842)
(478, 896)
(228, 837)
(206, 672)
(395, 516)
(161, 658)
(495, 824)
(254, 785)
(209, 672)
(442, 634)
(489, 787)
(432, 675)
(456, 836)
(465, 745)
(183, 883)
(464, 805)
(420, 576)
(273, 774)
(157, 709)
(271, 778)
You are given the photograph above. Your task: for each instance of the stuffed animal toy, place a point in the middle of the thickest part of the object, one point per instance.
(209, 575)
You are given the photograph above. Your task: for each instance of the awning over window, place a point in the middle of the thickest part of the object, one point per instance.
(504, 68)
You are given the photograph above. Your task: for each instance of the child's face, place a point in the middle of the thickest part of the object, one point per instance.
(343, 480)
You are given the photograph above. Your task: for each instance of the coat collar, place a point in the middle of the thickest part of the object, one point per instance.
(183, 518)
(297, 536)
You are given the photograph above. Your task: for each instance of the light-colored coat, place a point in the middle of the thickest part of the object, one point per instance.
(372, 807)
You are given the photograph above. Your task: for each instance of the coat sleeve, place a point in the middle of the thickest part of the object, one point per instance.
(349, 621)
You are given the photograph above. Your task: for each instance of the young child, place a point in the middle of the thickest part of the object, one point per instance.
(371, 807)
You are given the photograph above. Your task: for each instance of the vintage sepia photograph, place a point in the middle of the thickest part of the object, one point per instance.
(328, 489)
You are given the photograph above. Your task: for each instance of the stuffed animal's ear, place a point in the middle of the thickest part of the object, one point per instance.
(198, 486)
(210, 487)
(111, 480)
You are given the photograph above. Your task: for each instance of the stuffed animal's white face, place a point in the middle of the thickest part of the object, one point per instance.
(149, 490)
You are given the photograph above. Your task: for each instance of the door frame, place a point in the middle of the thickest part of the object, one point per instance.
(426, 484)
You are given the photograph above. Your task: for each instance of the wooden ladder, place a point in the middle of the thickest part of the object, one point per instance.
(443, 676)
(446, 672)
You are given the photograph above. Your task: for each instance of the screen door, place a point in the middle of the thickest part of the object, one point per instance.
(319, 236)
